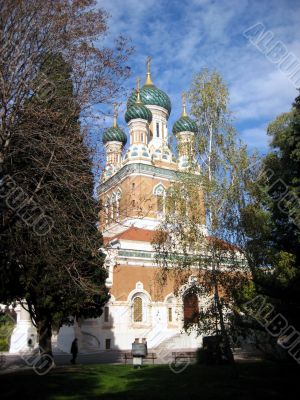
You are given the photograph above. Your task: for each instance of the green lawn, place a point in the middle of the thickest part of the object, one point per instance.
(257, 381)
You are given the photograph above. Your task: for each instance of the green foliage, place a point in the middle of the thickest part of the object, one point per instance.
(60, 273)
(273, 222)
(212, 195)
(6, 328)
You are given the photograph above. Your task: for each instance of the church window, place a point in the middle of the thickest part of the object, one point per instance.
(133, 203)
(170, 305)
(190, 308)
(133, 186)
(160, 203)
(157, 129)
(170, 314)
(106, 314)
(142, 137)
(159, 192)
(137, 309)
(107, 344)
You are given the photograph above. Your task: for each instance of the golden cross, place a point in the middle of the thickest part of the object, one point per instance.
(115, 114)
(148, 80)
(183, 98)
(148, 62)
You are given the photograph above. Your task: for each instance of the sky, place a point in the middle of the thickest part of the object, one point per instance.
(182, 37)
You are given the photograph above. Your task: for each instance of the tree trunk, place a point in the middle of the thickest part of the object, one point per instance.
(45, 334)
(228, 350)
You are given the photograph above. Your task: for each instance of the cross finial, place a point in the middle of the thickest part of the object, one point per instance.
(138, 97)
(148, 62)
(115, 114)
(183, 99)
(148, 80)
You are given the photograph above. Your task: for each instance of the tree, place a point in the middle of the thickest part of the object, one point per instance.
(33, 30)
(57, 270)
(272, 220)
(217, 180)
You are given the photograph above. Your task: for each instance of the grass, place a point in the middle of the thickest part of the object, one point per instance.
(264, 380)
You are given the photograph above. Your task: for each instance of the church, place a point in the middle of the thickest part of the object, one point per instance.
(132, 193)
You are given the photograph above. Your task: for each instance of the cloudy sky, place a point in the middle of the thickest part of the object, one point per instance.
(183, 36)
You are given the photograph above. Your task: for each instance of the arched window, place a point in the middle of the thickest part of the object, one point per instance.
(137, 309)
(170, 306)
(190, 308)
(159, 192)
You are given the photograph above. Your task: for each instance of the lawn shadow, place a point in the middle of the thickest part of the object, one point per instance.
(258, 380)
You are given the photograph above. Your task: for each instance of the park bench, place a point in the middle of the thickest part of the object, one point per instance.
(184, 355)
(149, 356)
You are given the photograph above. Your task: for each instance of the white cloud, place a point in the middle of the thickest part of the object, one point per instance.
(256, 138)
(185, 35)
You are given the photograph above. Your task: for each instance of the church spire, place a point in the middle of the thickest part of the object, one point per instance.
(183, 99)
(138, 97)
(115, 115)
(148, 80)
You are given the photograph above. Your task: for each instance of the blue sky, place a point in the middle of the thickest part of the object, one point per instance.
(184, 36)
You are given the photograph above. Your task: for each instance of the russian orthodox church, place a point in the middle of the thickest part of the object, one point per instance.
(132, 191)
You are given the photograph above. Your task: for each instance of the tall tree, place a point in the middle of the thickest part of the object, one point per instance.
(272, 220)
(217, 182)
(55, 268)
(33, 30)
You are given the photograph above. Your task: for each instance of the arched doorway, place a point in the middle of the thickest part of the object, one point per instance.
(190, 308)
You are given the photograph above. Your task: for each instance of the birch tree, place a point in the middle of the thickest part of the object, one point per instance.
(201, 235)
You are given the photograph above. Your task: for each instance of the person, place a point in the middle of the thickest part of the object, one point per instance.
(74, 351)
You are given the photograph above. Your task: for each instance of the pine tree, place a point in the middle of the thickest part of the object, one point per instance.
(55, 267)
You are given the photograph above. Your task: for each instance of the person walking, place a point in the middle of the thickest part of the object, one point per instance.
(74, 351)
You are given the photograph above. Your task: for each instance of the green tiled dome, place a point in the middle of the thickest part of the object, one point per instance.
(184, 124)
(138, 110)
(114, 134)
(151, 95)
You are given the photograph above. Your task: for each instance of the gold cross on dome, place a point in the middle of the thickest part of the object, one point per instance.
(148, 80)
(115, 114)
(148, 62)
(183, 99)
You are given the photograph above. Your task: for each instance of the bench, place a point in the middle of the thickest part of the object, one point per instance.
(184, 355)
(149, 356)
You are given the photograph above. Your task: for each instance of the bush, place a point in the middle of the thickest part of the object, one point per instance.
(6, 328)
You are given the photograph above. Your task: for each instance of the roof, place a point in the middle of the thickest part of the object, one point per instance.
(136, 234)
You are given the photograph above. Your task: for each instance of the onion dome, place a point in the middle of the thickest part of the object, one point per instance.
(138, 110)
(184, 123)
(151, 95)
(114, 134)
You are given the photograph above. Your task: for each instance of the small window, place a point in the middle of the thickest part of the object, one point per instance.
(170, 314)
(157, 129)
(133, 203)
(138, 310)
(133, 186)
(190, 308)
(160, 203)
(106, 314)
(107, 344)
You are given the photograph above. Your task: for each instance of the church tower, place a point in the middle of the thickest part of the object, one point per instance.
(133, 192)
(184, 129)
